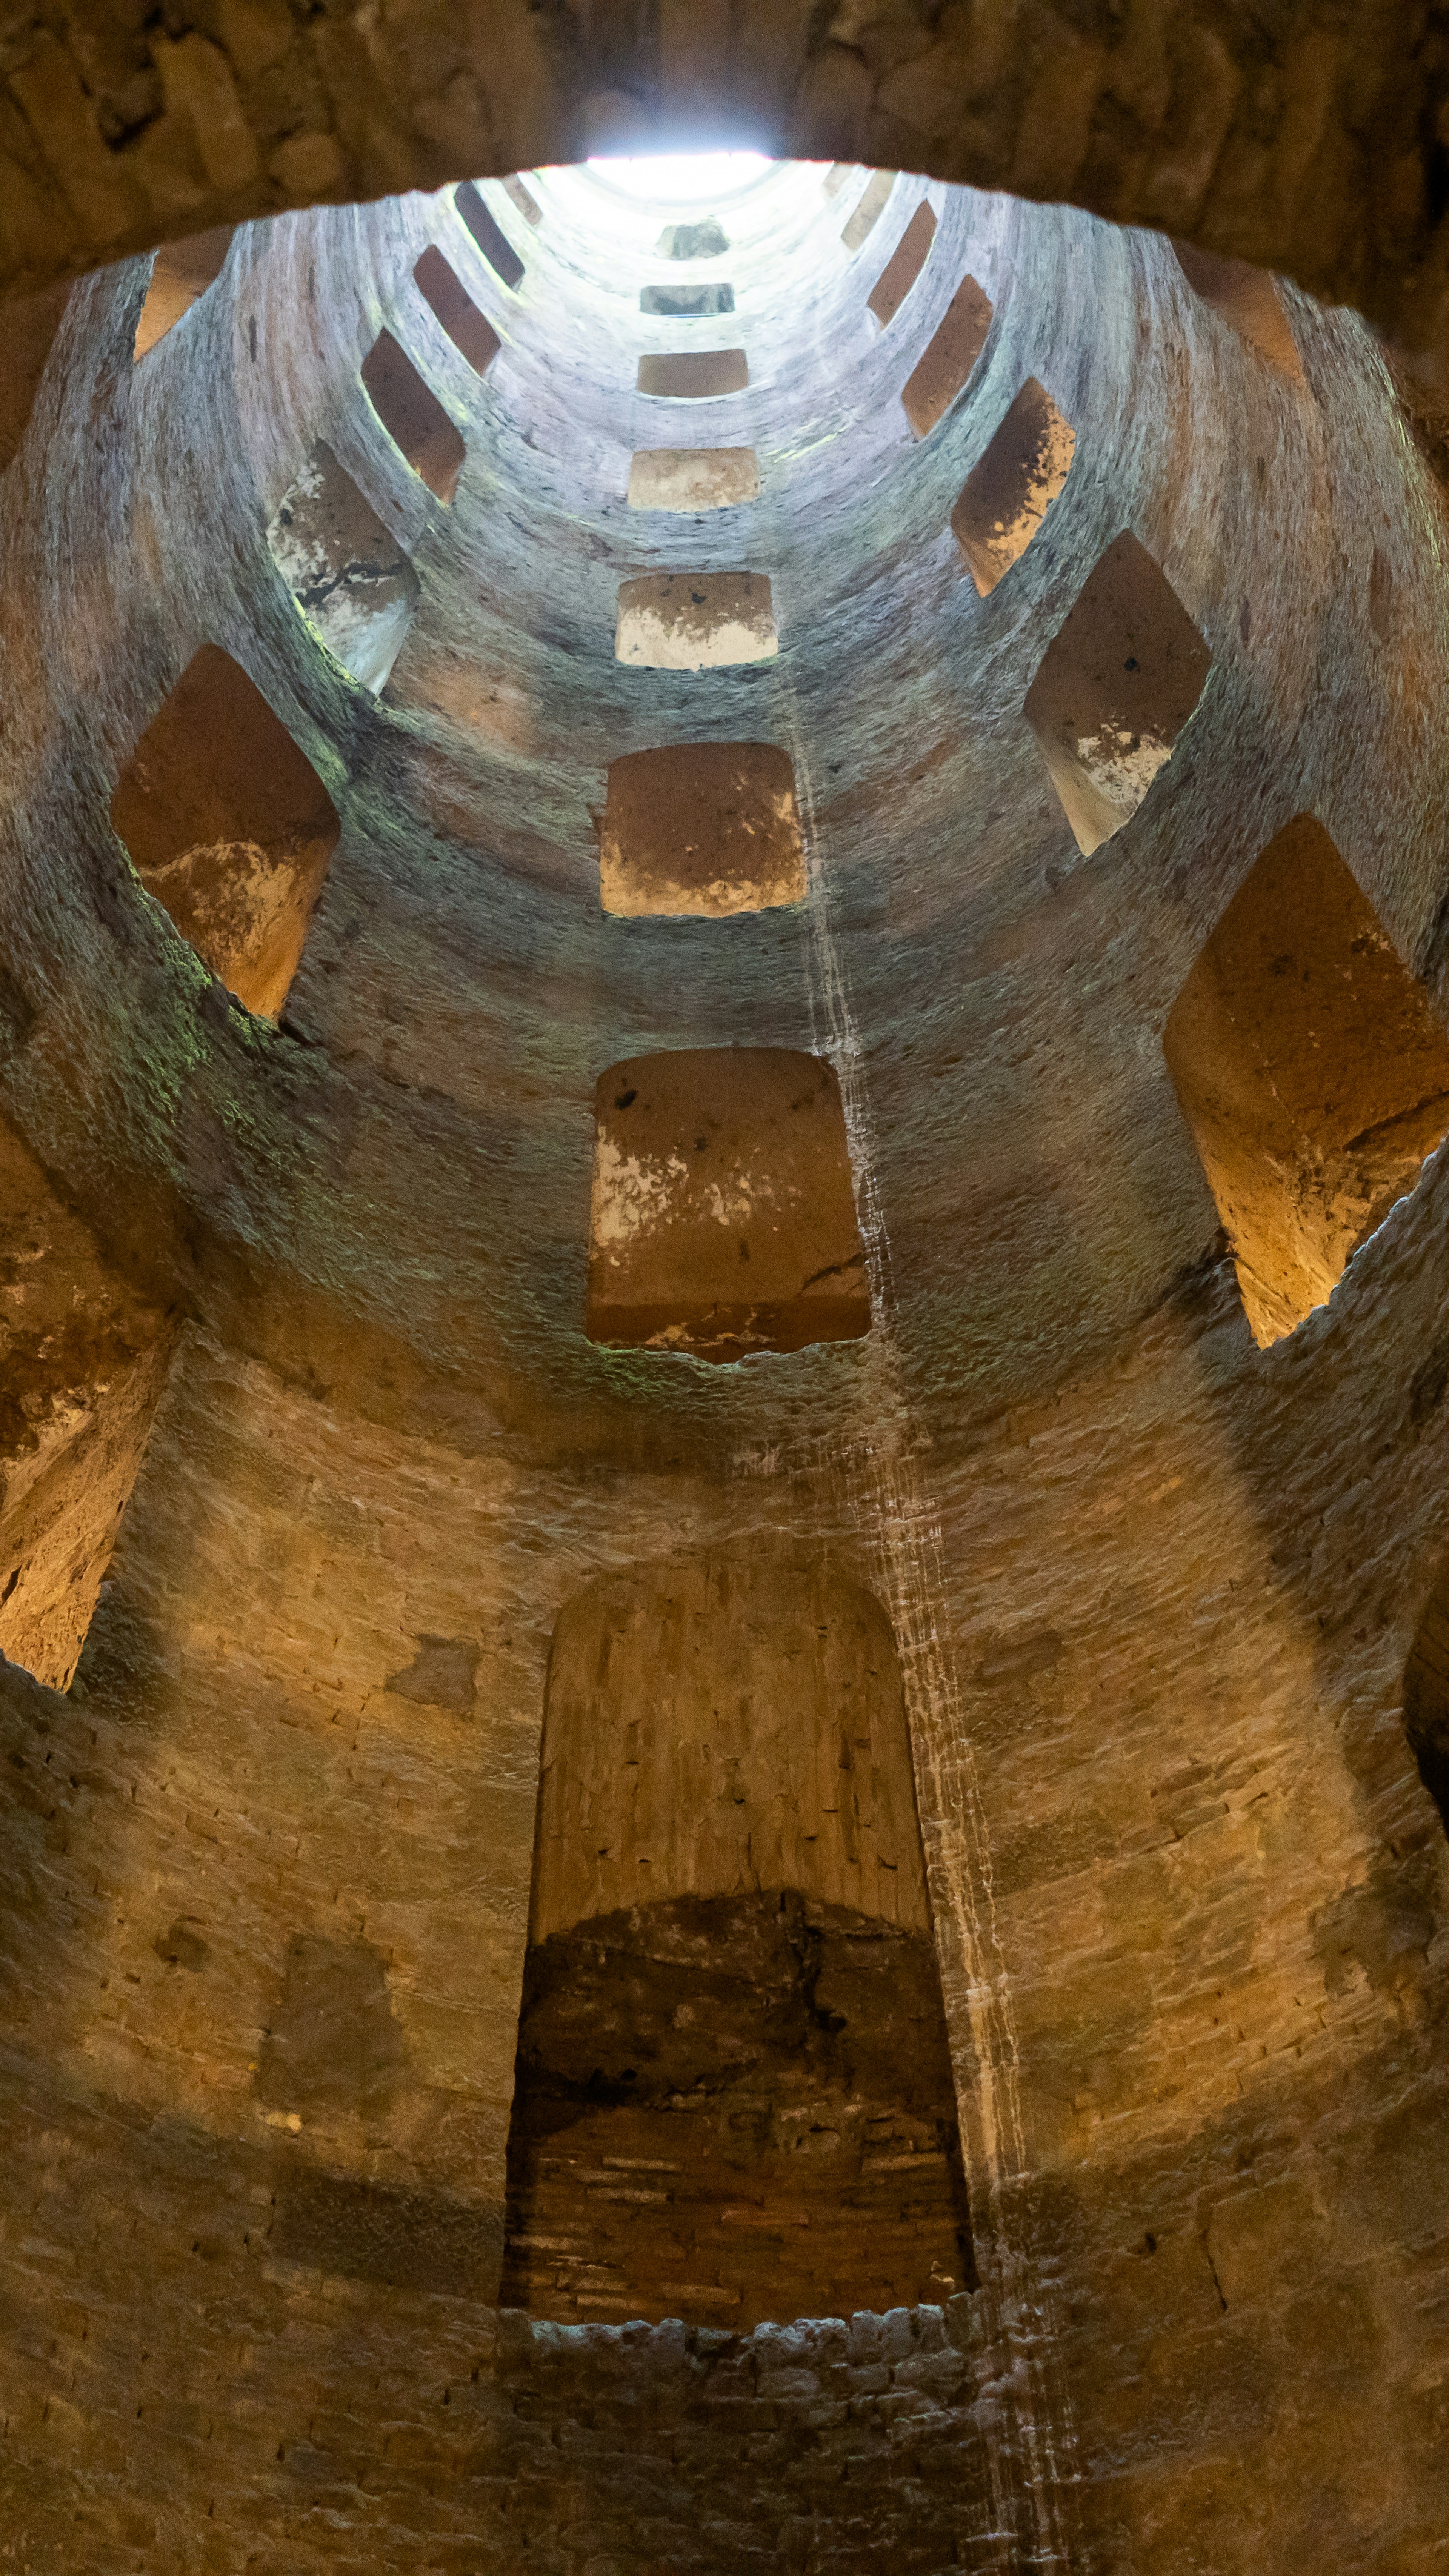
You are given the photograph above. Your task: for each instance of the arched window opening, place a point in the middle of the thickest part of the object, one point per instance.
(228, 825)
(694, 375)
(180, 275)
(957, 343)
(733, 2097)
(704, 239)
(701, 827)
(347, 572)
(1116, 686)
(470, 331)
(523, 198)
(722, 1219)
(85, 1367)
(686, 303)
(903, 267)
(1010, 489)
(1312, 1070)
(693, 479)
(489, 235)
(869, 208)
(413, 417)
(1247, 300)
(683, 621)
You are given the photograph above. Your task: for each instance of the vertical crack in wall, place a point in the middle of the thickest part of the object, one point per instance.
(1025, 2408)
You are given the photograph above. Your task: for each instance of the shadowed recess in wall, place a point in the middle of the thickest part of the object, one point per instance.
(331, 2048)
(523, 198)
(1249, 302)
(349, 575)
(733, 2098)
(180, 275)
(695, 621)
(694, 375)
(31, 324)
(1312, 1071)
(938, 376)
(1426, 1697)
(1116, 686)
(692, 478)
(413, 417)
(488, 233)
(701, 827)
(871, 206)
(229, 827)
(686, 303)
(722, 1219)
(903, 267)
(705, 239)
(85, 1364)
(1010, 489)
(469, 330)
(443, 1674)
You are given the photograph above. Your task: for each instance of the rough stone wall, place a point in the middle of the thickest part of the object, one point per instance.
(1152, 1589)
(1311, 144)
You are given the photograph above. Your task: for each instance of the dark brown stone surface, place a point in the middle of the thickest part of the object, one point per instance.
(733, 2110)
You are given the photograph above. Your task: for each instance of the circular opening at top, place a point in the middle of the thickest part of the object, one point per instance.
(680, 178)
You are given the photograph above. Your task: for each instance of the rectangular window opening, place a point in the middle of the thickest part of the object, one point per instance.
(691, 2135)
(1248, 300)
(686, 303)
(85, 1369)
(904, 266)
(871, 206)
(701, 827)
(469, 330)
(836, 176)
(704, 239)
(693, 478)
(1010, 489)
(413, 417)
(1117, 684)
(939, 375)
(228, 826)
(347, 572)
(180, 275)
(695, 621)
(527, 204)
(722, 1219)
(488, 233)
(694, 375)
(1312, 1070)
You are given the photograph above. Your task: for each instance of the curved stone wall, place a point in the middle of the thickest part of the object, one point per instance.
(1311, 146)
(1153, 1588)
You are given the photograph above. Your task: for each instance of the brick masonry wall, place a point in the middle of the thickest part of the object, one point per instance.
(268, 1861)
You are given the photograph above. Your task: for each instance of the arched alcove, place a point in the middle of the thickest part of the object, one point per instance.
(734, 2097)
